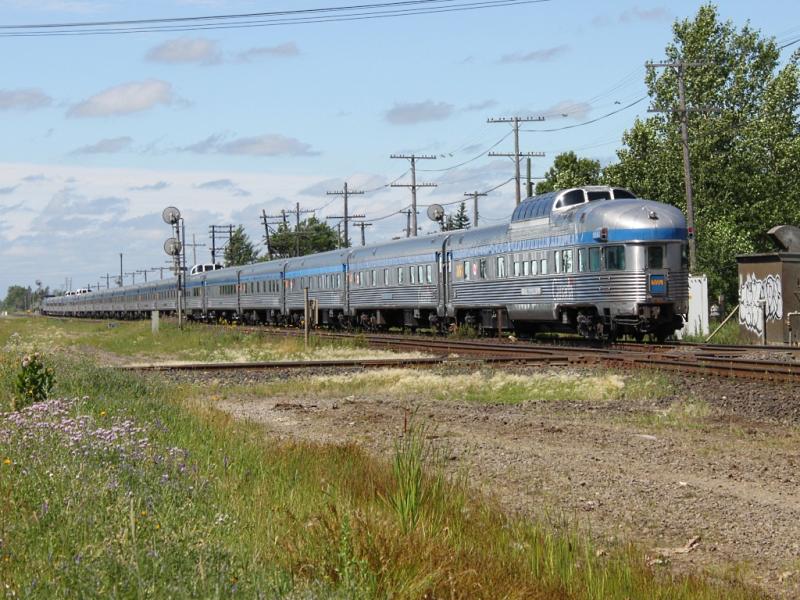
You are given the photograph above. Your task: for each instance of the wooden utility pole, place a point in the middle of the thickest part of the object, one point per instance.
(346, 193)
(413, 185)
(517, 155)
(475, 195)
(265, 221)
(297, 212)
(363, 225)
(683, 113)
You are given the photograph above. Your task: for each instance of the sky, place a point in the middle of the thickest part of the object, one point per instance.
(100, 133)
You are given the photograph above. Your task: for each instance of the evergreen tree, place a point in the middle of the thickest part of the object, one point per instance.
(312, 236)
(569, 171)
(240, 250)
(745, 155)
(460, 220)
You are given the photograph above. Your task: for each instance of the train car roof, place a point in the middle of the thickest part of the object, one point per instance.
(544, 205)
(481, 236)
(405, 247)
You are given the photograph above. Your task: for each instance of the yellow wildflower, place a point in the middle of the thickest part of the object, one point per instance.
(144, 513)
(102, 413)
(158, 526)
(7, 461)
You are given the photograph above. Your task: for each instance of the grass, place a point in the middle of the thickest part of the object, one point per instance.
(729, 335)
(690, 413)
(131, 490)
(487, 386)
(134, 340)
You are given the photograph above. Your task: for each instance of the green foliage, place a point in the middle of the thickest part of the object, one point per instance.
(569, 171)
(34, 381)
(460, 220)
(311, 236)
(745, 155)
(24, 298)
(240, 250)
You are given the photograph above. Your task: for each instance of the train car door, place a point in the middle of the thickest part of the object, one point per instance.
(238, 294)
(203, 297)
(283, 289)
(444, 260)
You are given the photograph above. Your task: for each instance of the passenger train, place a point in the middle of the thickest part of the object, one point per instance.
(595, 260)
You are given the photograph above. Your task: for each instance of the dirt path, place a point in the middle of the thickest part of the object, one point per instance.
(731, 480)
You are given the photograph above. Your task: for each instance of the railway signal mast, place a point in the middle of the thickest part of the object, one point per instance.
(517, 155)
(413, 185)
(683, 113)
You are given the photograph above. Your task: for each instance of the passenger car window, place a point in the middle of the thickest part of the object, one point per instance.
(421, 273)
(467, 273)
(412, 271)
(615, 258)
(655, 257)
(517, 268)
(557, 260)
(582, 260)
(526, 268)
(501, 266)
(567, 261)
(684, 256)
(482, 269)
(594, 259)
(400, 273)
(386, 277)
(543, 266)
(428, 274)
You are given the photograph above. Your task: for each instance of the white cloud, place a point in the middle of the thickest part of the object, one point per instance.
(226, 185)
(567, 109)
(24, 99)
(477, 106)
(267, 145)
(542, 55)
(152, 187)
(287, 50)
(411, 113)
(636, 14)
(125, 99)
(186, 50)
(270, 144)
(106, 146)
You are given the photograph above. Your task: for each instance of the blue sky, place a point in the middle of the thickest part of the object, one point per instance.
(101, 132)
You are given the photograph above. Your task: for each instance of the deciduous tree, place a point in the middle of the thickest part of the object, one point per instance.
(745, 155)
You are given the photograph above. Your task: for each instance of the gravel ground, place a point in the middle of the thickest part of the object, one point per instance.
(728, 474)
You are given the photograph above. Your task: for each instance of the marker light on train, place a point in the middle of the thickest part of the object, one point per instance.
(601, 235)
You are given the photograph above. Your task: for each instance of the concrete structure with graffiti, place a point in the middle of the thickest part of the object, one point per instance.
(769, 290)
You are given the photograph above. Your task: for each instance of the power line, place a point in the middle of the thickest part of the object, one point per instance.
(357, 13)
(590, 121)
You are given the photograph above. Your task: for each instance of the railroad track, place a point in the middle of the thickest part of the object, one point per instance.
(695, 359)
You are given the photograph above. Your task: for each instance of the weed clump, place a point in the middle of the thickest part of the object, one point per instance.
(33, 383)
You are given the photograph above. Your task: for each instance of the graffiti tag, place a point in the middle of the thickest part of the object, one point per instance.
(760, 298)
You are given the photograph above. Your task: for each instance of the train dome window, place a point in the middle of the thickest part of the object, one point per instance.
(623, 193)
(570, 198)
(599, 195)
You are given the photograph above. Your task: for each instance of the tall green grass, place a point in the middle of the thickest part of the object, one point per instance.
(185, 502)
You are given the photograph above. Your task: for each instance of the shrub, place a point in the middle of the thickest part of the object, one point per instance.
(33, 383)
